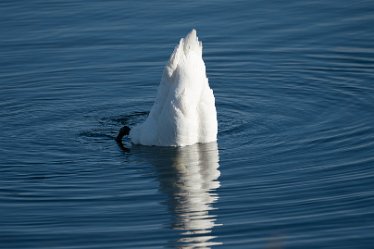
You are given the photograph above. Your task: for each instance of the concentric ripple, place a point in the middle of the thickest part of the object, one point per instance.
(292, 167)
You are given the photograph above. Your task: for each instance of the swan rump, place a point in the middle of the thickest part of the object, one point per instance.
(184, 111)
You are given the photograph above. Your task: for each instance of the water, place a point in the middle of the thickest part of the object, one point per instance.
(292, 167)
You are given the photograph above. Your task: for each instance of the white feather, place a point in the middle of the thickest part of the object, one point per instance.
(184, 111)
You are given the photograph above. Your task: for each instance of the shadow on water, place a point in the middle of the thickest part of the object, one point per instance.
(129, 119)
(107, 127)
(189, 177)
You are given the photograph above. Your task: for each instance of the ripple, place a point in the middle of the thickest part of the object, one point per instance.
(292, 167)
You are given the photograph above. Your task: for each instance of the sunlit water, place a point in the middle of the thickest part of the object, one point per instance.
(294, 90)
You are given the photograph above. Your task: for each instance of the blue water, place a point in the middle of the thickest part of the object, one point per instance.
(293, 164)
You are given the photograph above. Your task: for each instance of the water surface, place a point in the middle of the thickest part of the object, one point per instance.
(292, 167)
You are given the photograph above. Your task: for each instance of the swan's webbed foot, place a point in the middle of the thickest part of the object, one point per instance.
(124, 131)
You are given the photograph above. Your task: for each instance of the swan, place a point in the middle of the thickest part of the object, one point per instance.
(184, 111)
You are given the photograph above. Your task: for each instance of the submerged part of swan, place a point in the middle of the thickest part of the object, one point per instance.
(184, 111)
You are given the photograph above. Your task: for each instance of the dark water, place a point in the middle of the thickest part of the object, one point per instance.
(293, 166)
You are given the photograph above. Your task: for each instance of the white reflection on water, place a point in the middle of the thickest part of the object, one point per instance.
(189, 177)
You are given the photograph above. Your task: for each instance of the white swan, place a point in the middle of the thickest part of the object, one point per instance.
(184, 111)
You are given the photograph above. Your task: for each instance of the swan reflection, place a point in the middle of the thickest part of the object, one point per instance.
(189, 176)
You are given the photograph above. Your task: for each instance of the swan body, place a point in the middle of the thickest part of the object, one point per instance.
(184, 111)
